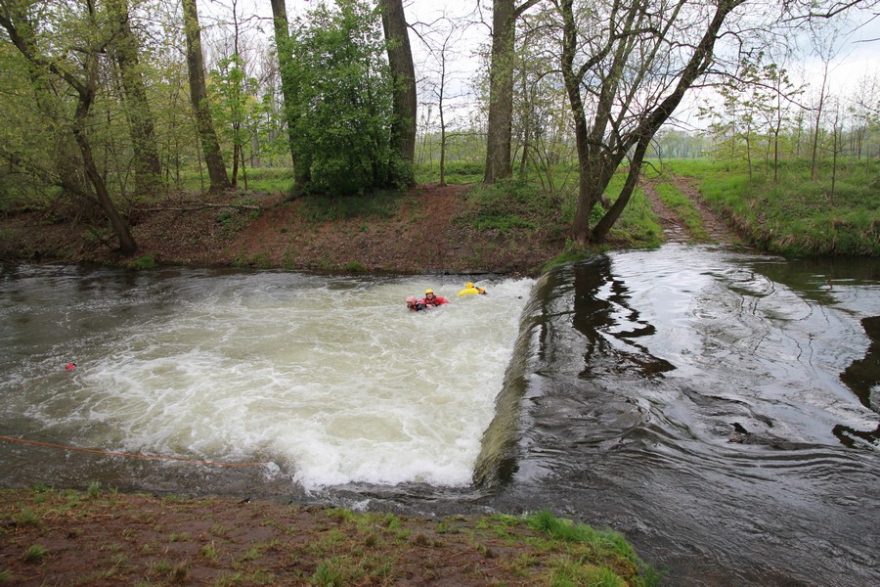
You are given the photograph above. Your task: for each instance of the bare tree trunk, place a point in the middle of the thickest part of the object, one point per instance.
(127, 245)
(302, 164)
(635, 168)
(199, 96)
(837, 132)
(500, 92)
(148, 170)
(237, 148)
(748, 138)
(400, 61)
(814, 172)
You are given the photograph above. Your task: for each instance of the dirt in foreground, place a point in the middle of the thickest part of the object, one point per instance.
(96, 538)
(426, 232)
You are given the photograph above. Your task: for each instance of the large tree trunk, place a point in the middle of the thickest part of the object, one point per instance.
(498, 133)
(403, 73)
(603, 227)
(148, 170)
(301, 161)
(199, 97)
(127, 245)
(588, 192)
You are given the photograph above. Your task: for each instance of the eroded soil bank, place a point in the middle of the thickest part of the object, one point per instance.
(425, 231)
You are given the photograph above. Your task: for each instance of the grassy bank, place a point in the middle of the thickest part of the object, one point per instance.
(107, 538)
(794, 215)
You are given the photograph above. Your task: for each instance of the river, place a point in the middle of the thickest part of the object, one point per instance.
(720, 409)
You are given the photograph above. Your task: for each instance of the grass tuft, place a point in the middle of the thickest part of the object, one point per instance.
(26, 517)
(35, 554)
(94, 489)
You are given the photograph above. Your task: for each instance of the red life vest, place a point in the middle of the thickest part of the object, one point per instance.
(435, 301)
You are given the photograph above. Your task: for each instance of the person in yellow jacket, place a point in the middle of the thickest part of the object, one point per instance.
(470, 289)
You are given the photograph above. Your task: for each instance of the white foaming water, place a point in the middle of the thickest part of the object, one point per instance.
(332, 380)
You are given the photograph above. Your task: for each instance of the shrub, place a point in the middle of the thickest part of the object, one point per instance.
(342, 111)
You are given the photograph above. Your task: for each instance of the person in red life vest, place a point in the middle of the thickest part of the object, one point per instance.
(431, 300)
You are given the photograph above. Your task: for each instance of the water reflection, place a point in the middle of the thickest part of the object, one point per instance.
(611, 327)
(691, 399)
(863, 377)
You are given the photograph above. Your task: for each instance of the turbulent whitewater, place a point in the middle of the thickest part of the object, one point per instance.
(325, 381)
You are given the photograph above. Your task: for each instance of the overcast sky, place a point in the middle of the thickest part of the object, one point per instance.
(857, 55)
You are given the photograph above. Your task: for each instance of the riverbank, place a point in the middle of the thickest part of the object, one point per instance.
(429, 229)
(513, 228)
(99, 538)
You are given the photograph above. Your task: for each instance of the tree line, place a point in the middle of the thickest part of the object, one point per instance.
(111, 100)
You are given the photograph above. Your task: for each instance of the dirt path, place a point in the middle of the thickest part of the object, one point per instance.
(674, 229)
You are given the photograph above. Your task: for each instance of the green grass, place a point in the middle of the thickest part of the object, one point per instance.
(383, 204)
(269, 179)
(795, 215)
(26, 517)
(259, 179)
(457, 172)
(685, 209)
(142, 263)
(510, 205)
(596, 557)
(94, 489)
(341, 547)
(35, 553)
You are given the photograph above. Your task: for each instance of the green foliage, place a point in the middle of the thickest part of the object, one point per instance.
(382, 204)
(232, 220)
(354, 267)
(509, 205)
(343, 100)
(35, 553)
(143, 262)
